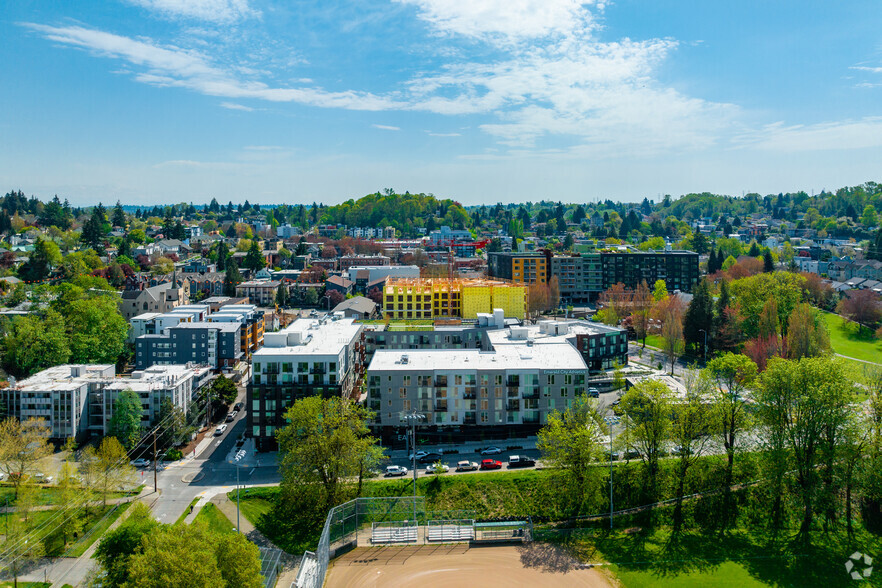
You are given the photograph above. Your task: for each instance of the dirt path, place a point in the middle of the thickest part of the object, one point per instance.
(537, 565)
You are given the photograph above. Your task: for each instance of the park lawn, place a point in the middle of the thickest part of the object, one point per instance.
(54, 542)
(745, 557)
(252, 509)
(846, 339)
(97, 531)
(49, 495)
(186, 512)
(214, 518)
(728, 574)
(653, 341)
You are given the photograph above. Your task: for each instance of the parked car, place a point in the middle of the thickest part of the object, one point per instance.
(230, 417)
(612, 456)
(238, 406)
(394, 470)
(491, 464)
(42, 478)
(220, 430)
(466, 466)
(631, 453)
(492, 450)
(429, 458)
(419, 454)
(140, 462)
(520, 461)
(437, 468)
(593, 393)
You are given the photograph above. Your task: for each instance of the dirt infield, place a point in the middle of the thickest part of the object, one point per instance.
(441, 566)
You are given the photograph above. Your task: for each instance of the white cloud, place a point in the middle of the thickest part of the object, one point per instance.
(234, 106)
(177, 67)
(866, 68)
(837, 135)
(506, 19)
(386, 127)
(431, 134)
(215, 11)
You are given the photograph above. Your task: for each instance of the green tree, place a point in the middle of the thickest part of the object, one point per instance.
(570, 441)
(232, 277)
(30, 344)
(282, 295)
(97, 331)
(731, 375)
(753, 292)
(647, 408)
(175, 428)
(768, 262)
(690, 423)
(659, 290)
(45, 256)
(119, 216)
(22, 446)
(698, 318)
(125, 424)
(808, 399)
(119, 545)
(111, 469)
(223, 252)
(869, 218)
(254, 260)
(324, 445)
(189, 556)
(224, 389)
(807, 334)
(20, 547)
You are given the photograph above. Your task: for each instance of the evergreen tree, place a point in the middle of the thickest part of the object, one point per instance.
(119, 216)
(699, 317)
(255, 260)
(232, 277)
(223, 253)
(754, 250)
(722, 333)
(712, 267)
(768, 262)
(873, 252)
(282, 295)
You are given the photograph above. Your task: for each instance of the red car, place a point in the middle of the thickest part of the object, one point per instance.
(491, 464)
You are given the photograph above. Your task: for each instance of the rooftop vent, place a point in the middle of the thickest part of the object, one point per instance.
(405, 359)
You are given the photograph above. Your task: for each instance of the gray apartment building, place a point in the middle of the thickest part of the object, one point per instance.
(505, 389)
(215, 344)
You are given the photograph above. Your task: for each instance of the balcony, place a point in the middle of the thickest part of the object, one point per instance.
(470, 394)
(513, 391)
(441, 382)
(441, 406)
(469, 420)
(317, 370)
(513, 382)
(531, 393)
(530, 420)
(513, 405)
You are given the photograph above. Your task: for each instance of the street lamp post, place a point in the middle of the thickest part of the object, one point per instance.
(705, 343)
(239, 455)
(412, 418)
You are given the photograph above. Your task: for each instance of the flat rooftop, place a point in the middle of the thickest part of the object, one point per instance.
(309, 336)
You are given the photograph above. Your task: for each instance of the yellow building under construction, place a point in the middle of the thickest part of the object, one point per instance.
(432, 298)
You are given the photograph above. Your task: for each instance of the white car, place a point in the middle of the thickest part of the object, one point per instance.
(437, 469)
(492, 450)
(394, 470)
(220, 430)
(140, 462)
(42, 478)
(419, 454)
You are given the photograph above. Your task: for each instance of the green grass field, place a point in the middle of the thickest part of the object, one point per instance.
(846, 339)
(215, 519)
(80, 547)
(186, 512)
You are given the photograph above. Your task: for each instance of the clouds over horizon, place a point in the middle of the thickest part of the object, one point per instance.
(543, 82)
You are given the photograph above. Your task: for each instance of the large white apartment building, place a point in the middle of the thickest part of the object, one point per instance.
(78, 400)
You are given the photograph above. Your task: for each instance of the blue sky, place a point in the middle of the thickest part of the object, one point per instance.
(157, 101)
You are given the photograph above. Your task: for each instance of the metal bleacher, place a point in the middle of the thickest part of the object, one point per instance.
(383, 533)
(450, 531)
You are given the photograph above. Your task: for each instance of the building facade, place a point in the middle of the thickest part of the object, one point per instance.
(432, 298)
(522, 268)
(507, 388)
(311, 357)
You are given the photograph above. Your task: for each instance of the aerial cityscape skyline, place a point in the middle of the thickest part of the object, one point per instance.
(157, 101)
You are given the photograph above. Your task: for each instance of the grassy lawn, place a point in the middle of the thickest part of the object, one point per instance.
(742, 558)
(54, 542)
(253, 508)
(215, 519)
(49, 495)
(846, 339)
(97, 531)
(186, 512)
(26, 584)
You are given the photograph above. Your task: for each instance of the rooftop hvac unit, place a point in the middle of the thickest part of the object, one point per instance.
(405, 359)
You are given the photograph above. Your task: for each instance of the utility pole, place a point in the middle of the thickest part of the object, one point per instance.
(155, 485)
